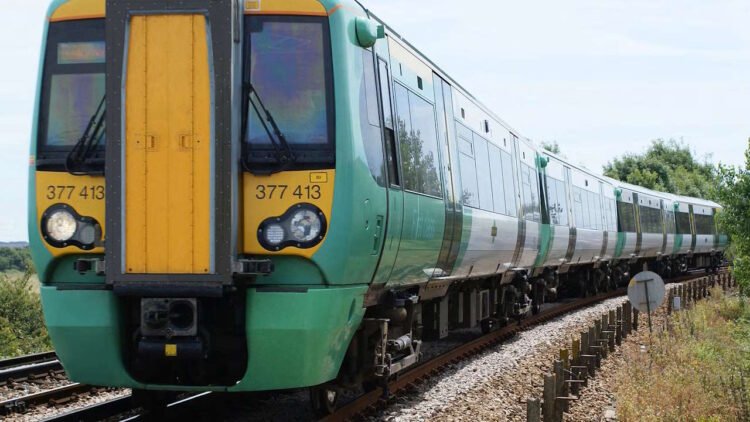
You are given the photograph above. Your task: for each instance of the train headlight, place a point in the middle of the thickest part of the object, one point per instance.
(61, 225)
(305, 226)
(302, 226)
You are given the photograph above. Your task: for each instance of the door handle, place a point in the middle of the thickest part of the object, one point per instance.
(377, 235)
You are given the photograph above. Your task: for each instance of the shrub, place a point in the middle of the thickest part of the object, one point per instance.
(22, 328)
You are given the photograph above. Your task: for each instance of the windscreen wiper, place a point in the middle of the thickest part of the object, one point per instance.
(77, 161)
(284, 155)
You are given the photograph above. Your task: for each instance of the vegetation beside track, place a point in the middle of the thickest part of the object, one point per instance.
(22, 329)
(697, 369)
(734, 195)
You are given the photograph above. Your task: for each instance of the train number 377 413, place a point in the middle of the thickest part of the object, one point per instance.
(280, 191)
(67, 192)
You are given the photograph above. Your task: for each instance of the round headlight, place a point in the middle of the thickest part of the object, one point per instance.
(274, 234)
(305, 225)
(61, 225)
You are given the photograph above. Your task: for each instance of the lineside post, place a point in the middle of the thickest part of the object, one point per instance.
(533, 410)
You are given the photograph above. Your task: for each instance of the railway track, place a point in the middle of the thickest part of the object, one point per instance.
(29, 366)
(44, 364)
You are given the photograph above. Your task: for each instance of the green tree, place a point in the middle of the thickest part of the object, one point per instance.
(552, 147)
(734, 195)
(667, 166)
(18, 259)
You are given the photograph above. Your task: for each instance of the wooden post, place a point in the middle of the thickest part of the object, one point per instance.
(627, 317)
(548, 405)
(533, 410)
(670, 300)
(561, 390)
(635, 319)
(618, 335)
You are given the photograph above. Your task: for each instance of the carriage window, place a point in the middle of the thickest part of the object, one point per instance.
(470, 188)
(390, 136)
(370, 119)
(530, 188)
(704, 224)
(652, 220)
(626, 212)
(417, 135)
(509, 181)
(498, 188)
(483, 174)
(683, 223)
(557, 201)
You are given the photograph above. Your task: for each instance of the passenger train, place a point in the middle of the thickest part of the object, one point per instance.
(272, 194)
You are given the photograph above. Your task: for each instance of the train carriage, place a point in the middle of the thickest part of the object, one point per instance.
(258, 195)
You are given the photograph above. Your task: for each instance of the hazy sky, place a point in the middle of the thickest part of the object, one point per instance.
(602, 78)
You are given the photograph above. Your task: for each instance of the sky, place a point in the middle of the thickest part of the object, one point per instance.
(602, 78)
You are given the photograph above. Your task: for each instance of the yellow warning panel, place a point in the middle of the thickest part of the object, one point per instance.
(168, 146)
(285, 7)
(79, 9)
(272, 196)
(85, 194)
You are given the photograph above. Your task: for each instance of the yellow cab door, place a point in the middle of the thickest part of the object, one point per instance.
(167, 146)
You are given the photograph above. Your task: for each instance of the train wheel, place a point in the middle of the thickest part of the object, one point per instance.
(324, 399)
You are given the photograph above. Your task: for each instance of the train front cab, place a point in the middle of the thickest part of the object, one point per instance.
(235, 234)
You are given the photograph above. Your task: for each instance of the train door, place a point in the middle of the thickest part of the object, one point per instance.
(395, 217)
(453, 207)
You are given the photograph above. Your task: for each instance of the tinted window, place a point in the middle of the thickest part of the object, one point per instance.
(626, 213)
(530, 188)
(557, 202)
(509, 181)
(370, 119)
(651, 220)
(73, 100)
(418, 143)
(288, 65)
(611, 203)
(388, 132)
(704, 224)
(470, 189)
(483, 174)
(683, 223)
(73, 88)
(496, 174)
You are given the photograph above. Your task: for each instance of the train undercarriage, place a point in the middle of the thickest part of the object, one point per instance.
(391, 337)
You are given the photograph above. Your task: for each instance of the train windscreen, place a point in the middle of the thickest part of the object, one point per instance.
(72, 99)
(288, 98)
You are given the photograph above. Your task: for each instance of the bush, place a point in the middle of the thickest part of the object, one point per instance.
(22, 328)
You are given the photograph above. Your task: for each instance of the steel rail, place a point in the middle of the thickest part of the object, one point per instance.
(372, 400)
(54, 396)
(26, 360)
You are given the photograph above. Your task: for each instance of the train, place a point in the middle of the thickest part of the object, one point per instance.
(260, 195)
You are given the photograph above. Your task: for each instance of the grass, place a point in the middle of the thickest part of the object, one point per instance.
(698, 370)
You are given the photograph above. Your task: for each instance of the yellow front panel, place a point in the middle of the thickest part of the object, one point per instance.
(79, 9)
(285, 7)
(272, 196)
(85, 194)
(168, 146)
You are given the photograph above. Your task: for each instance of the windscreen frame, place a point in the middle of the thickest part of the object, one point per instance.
(307, 157)
(53, 157)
